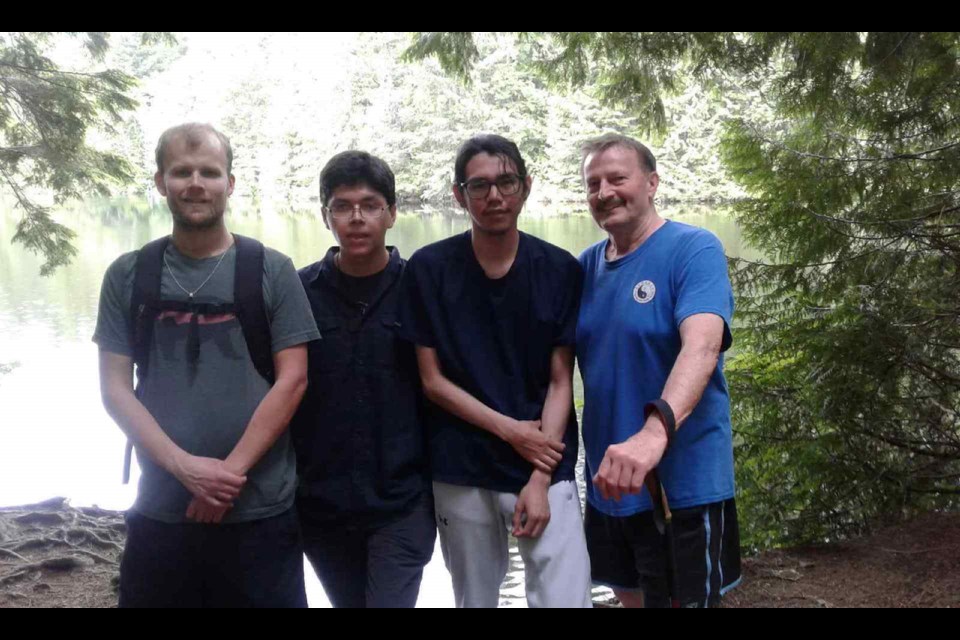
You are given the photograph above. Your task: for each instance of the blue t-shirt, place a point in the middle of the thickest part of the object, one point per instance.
(628, 339)
(494, 339)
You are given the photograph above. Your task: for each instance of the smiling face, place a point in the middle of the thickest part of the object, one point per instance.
(494, 213)
(195, 181)
(360, 236)
(619, 191)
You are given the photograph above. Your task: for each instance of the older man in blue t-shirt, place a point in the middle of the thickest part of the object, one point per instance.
(654, 323)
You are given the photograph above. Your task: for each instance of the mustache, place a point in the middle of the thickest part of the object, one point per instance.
(610, 204)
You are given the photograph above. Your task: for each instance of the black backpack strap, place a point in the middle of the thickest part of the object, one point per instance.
(144, 307)
(145, 301)
(248, 301)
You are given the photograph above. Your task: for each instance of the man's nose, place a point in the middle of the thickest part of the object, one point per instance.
(605, 192)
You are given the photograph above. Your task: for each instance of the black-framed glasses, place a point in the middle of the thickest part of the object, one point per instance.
(507, 184)
(344, 210)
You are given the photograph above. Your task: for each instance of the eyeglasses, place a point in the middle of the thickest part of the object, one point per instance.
(344, 210)
(507, 184)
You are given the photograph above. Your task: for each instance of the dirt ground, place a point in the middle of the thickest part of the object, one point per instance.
(915, 564)
(54, 555)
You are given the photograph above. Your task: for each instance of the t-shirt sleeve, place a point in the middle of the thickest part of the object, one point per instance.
(703, 284)
(291, 319)
(569, 308)
(416, 294)
(113, 317)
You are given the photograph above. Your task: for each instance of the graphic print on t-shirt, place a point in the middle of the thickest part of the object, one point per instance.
(184, 317)
(644, 292)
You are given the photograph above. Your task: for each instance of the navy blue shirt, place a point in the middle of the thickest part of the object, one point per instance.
(494, 339)
(361, 454)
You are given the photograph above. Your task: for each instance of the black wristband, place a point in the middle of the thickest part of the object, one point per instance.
(666, 414)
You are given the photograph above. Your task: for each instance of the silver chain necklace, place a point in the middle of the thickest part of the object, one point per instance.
(190, 294)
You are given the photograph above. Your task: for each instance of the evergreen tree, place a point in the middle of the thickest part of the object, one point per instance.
(46, 113)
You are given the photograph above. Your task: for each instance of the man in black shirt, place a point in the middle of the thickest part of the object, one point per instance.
(493, 313)
(364, 497)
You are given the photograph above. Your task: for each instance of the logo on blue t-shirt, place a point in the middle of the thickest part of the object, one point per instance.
(644, 292)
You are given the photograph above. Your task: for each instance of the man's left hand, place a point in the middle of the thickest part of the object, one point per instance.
(200, 511)
(532, 513)
(626, 465)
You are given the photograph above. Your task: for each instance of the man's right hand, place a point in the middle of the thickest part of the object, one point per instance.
(530, 442)
(625, 465)
(200, 511)
(209, 480)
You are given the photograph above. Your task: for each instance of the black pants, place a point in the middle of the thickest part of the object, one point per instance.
(379, 566)
(249, 564)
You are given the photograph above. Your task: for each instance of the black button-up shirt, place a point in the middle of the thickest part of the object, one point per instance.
(361, 455)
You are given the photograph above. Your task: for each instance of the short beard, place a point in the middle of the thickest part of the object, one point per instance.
(184, 223)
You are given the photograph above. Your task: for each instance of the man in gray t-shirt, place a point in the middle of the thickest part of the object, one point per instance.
(213, 523)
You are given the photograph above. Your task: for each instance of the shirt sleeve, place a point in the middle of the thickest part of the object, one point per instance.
(569, 307)
(703, 284)
(416, 293)
(291, 318)
(113, 317)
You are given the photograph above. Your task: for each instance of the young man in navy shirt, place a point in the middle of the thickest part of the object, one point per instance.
(364, 496)
(654, 323)
(493, 315)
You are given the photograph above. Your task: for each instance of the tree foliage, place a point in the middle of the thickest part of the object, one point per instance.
(848, 390)
(290, 101)
(46, 112)
(846, 381)
(416, 117)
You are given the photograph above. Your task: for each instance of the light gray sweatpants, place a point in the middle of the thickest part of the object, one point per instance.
(474, 526)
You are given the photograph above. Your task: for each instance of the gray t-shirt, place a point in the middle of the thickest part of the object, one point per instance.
(206, 410)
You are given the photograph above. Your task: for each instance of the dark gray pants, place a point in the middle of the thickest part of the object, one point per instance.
(189, 565)
(373, 566)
